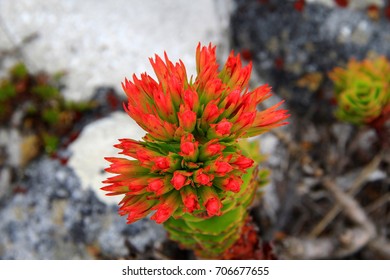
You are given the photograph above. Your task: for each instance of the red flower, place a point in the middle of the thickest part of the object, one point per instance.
(223, 127)
(233, 184)
(166, 208)
(189, 157)
(203, 179)
(189, 148)
(161, 163)
(187, 119)
(213, 206)
(180, 179)
(243, 162)
(190, 199)
(210, 150)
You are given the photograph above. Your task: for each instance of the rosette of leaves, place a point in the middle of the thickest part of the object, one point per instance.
(189, 171)
(362, 90)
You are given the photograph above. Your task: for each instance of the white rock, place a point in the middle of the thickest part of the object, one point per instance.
(96, 142)
(101, 42)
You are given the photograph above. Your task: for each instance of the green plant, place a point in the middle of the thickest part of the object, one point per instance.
(190, 169)
(37, 98)
(362, 90)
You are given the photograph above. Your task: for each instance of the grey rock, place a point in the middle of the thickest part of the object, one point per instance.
(56, 219)
(287, 44)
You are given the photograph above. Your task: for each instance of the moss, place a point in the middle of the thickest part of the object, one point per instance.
(42, 104)
(19, 71)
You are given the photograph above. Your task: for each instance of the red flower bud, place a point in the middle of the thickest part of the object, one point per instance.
(223, 127)
(233, 184)
(213, 206)
(245, 120)
(156, 186)
(203, 179)
(164, 211)
(161, 163)
(142, 156)
(232, 99)
(190, 202)
(191, 99)
(180, 179)
(187, 119)
(210, 149)
(243, 162)
(214, 149)
(166, 208)
(187, 148)
(211, 112)
(222, 168)
(135, 207)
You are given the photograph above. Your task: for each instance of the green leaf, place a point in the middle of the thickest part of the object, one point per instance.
(45, 91)
(19, 71)
(218, 224)
(51, 116)
(51, 143)
(7, 91)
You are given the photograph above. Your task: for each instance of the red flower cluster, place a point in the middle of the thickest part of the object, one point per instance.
(189, 158)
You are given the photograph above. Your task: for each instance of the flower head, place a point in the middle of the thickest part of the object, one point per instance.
(189, 159)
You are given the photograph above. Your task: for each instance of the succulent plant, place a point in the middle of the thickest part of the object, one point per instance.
(189, 170)
(362, 90)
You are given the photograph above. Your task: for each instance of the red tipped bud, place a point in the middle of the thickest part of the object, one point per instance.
(203, 179)
(191, 203)
(189, 148)
(210, 200)
(232, 99)
(214, 149)
(233, 184)
(164, 211)
(210, 149)
(223, 127)
(187, 119)
(136, 207)
(191, 99)
(244, 121)
(161, 163)
(243, 162)
(190, 199)
(143, 156)
(166, 208)
(180, 179)
(125, 167)
(221, 168)
(213, 206)
(158, 186)
(211, 112)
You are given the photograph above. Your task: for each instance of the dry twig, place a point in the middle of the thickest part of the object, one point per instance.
(355, 188)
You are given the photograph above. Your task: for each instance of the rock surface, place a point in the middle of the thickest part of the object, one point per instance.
(101, 42)
(52, 217)
(293, 50)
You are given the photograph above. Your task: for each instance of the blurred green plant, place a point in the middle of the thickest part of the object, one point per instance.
(362, 90)
(38, 99)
